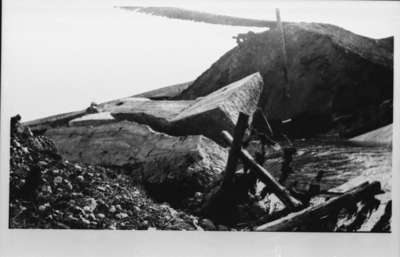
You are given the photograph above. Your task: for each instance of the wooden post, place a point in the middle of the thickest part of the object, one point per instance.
(307, 215)
(219, 203)
(234, 152)
(284, 54)
(264, 176)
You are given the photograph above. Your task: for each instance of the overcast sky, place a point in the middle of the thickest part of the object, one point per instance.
(61, 55)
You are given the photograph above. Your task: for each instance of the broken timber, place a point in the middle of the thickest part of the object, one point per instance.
(220, 202)
(240, 129)
(264, 176)
(295, 219)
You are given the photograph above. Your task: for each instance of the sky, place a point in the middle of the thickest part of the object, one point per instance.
(60, 56)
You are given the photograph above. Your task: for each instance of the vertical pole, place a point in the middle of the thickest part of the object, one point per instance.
(236, 147)
(283, 48)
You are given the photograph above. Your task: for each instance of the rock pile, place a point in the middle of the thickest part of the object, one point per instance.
(47, 192)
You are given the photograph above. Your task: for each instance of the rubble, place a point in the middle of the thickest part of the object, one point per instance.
(59, 194)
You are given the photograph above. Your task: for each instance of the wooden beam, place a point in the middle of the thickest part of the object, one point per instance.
(234, 153)
(264, 176)
(219, 201)
(295, 219)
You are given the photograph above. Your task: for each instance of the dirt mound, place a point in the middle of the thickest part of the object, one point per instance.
(331, 72)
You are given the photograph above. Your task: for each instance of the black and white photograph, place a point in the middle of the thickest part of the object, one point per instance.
(225, 116)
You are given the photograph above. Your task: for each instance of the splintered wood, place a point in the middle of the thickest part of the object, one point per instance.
(313, 213)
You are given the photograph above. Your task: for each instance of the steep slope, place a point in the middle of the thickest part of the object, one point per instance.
(331, 71)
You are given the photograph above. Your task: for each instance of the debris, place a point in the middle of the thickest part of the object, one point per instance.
(221, 201)
(265, 177)
(315, 213)
(67, 196)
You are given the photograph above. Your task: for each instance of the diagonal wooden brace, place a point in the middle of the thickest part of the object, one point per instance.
(264, 176)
